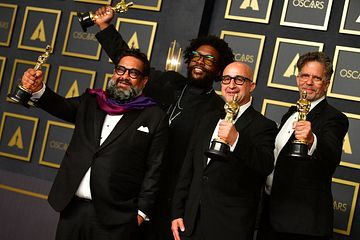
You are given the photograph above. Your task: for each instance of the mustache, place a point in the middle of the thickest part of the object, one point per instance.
(123, 80)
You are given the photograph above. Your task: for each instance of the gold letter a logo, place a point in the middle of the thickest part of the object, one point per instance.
(134, 42)
(39, 32)
(253, 4)
(347, 144)
(291, 69)
(16, 139)
(73, 91)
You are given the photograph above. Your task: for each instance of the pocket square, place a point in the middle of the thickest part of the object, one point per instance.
(143, 129)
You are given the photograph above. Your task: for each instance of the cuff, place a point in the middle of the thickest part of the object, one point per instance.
(313, 146)
(232, 147)
(143, 215)
(36, 95)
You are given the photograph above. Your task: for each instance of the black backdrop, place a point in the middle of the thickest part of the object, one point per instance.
(24, 184)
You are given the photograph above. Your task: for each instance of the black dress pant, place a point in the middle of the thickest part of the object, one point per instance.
(267, 232)
(78, 221)
(198, 232)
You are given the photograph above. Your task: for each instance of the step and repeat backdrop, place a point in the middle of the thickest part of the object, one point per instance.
(268, 35)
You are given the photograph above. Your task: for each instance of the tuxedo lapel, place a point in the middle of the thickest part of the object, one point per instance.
(245, 119)
(124, 123)
(291, 110)
(210, 127)
(98, 122)
(316, 110)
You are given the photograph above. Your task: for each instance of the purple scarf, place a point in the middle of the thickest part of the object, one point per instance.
(113, 107)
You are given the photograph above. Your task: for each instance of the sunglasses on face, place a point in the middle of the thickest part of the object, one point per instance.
(208, 59)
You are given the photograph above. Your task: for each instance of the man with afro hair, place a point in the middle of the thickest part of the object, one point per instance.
(185, 99)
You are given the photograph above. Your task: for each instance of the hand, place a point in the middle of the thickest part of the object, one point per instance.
(32, 80)
(140, 220)
(175, 225)
(302, 131)
(227, 132)
(103, 17)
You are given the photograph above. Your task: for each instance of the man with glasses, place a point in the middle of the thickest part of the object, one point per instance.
(109, 177)
(218, 199)
(298, 202)
(185, 99)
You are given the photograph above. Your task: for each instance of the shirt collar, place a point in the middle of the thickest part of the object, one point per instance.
(242, 109)
(316, 102)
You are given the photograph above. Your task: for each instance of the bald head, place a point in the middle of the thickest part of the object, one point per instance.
(237, 80)
(239, 68)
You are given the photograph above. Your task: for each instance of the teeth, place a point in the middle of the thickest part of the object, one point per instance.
(198, 70)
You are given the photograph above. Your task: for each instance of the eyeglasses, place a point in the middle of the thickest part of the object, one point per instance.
(208, 59)
(133, 73)
(304, 77)
(238, 79)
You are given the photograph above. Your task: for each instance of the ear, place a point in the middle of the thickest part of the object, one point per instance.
(252, 86)
(327, 84)
(298, 81)
(145, 80)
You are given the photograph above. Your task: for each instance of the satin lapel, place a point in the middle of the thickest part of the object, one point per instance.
(98, 122)
(291, 110)
(316, 110)
(124, 123)
(245, 119)
(207, 137)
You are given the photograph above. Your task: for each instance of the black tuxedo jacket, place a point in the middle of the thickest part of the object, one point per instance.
(124, 169)
(225, 193)
(301, 200)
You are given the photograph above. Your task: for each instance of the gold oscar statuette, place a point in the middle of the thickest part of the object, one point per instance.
(21, 94)
(219, 148)
(299, 148)
(88, 19)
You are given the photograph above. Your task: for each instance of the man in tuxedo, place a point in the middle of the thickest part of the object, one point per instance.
(298, 202)
(218, 199)
(185, 99)
(109, 177)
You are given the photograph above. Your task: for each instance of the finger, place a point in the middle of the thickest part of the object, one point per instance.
(30, 72)
(38, 74)
(101, 11)
(181, 225)
(174, 229)
(176, 235)
(108, 10)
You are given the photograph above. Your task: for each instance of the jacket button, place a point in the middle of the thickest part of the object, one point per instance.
(205, 178)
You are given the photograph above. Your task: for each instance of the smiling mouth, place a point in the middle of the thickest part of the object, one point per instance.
(198, 69)
(123, 82)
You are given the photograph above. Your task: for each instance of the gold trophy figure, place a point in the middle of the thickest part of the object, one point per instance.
(219, 148)
(88, 19)
(299, 148)
(21, 94)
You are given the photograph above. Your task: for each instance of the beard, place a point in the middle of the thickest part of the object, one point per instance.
(118, 94)
(205, 82)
